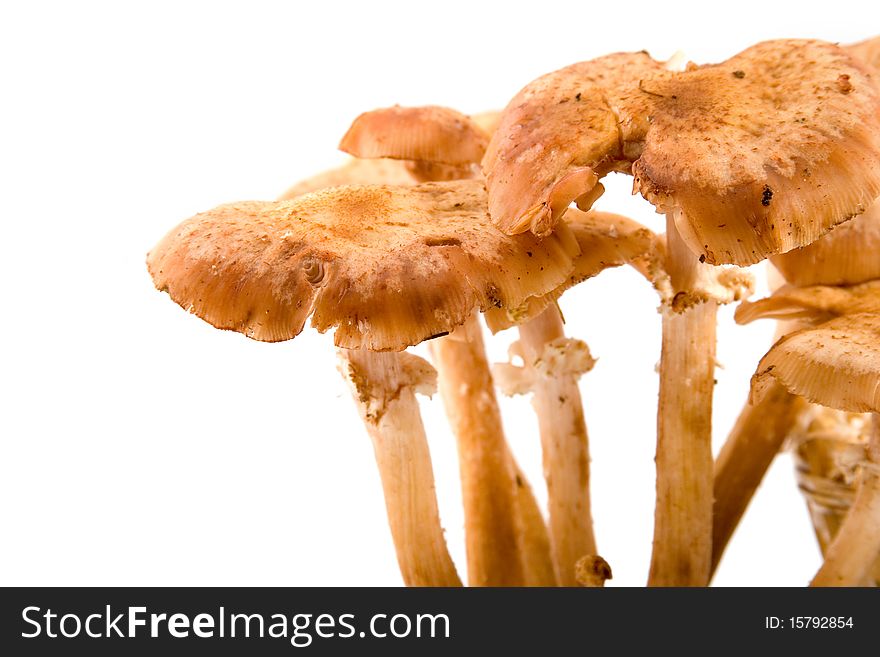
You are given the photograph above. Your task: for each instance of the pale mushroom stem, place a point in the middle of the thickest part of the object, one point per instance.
(557, 403)
(682, 551)
(537, 563)
(854, 550)
(384, 389)
(753, 443)
(502, 525)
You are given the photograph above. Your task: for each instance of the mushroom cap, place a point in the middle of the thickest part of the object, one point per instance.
(389, 266)
(848, 255)
(556, 138)
(605, 240)
(488, 121)
(761, 154)
(867, 51)
(353, 172)
(814, 304)
(836, 364)
(428, 134)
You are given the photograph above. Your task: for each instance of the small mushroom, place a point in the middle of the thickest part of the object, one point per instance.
(506, 540)
(605, 240)
(838, 364)
(552, 366)
(835, 362)
(845, 256)
(388, 267)
(427, 134)
(732, 154)
(353, 172)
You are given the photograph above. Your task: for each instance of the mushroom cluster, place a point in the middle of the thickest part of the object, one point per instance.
(440, 219)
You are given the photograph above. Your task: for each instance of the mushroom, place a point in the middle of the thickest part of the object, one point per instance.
(423, 134)
(353, 172)
(505, 534)
(500, 511)
(432, 137)
(790, 116)
(833, 361)
(739, 156)
(845, 256)
(867, 51)
(551, 366)
(387, 267)
(838, 371)
(828, 446)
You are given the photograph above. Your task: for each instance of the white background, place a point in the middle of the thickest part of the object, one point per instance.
(142, 447)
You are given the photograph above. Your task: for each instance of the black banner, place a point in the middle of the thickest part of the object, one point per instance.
(340, 621)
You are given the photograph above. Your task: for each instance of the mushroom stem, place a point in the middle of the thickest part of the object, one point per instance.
(495, 514)
(854, 550)
(557, 403)
(592, 571)
(682, 551)
(537, 563)
(753, 442)
(384, 385)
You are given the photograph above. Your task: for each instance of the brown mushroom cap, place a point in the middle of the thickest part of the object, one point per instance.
(353, 172)
(438, 143)
(605, 240)
(835, 361)
(836, 364)
(867, 51)
(428, 134)
(556, 138)
(488, 121)
(814, 304)
(848, 255)
(389, 266)
(762, 153)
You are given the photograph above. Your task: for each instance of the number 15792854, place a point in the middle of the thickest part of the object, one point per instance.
(808, 622)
